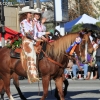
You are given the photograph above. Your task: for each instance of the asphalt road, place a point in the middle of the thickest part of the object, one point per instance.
(77, 90)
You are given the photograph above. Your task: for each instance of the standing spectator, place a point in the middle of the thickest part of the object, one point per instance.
(98, 58)
(95, 46)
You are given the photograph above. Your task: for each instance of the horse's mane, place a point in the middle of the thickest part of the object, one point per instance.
(58, 47)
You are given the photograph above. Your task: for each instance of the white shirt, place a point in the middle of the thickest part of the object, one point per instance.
(38, 34)
(26, 27)
(44, 28)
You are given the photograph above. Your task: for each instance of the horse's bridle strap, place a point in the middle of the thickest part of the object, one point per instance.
(53, 61)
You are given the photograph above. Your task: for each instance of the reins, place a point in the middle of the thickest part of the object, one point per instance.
(53, 61)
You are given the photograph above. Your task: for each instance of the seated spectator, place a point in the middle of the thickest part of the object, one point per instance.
(79, 66)
(67, 71)
(91, 69)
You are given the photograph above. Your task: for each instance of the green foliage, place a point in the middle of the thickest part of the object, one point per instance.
(98, 24)
(49, 26)
(77, 28)
(15, 43)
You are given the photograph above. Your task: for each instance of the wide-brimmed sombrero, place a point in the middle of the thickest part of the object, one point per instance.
(26, 9)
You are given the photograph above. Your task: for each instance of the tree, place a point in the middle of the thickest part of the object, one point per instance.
(98, 24)
(77, 28)
(97, 10)
(79, 7)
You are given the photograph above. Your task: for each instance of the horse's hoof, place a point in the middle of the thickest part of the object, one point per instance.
(23, 99)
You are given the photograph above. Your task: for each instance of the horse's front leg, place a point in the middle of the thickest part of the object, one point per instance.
(6, 80)
(16, 83)
(66, 83)
(2, 89)
(45, 83)
(2, 94)
(59, 85)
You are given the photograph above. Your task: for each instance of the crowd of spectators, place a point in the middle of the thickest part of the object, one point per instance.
(89, 69)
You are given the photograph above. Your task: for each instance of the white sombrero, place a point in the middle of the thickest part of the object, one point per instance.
(26, 9)
(38, 10)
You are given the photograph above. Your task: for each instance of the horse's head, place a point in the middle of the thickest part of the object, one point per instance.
(84, 47)
(80, 50)
(57, 48)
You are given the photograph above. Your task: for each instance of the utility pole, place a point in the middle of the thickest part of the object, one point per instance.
(79, 7)
(38, 3)
(2, 22)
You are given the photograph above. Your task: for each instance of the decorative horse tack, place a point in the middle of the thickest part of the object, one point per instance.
(71, 49)
(53, 61)
(18, 50)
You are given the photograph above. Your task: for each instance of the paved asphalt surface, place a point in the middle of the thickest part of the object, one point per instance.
(77, 90)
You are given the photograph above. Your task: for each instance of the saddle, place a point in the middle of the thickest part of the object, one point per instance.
(41, 55)
(15, 53)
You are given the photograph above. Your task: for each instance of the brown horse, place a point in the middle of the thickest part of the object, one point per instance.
(15, 78)
(54, 50)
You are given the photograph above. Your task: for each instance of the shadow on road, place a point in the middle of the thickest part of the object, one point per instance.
(37, 95)
(72, 95)
(83, 95)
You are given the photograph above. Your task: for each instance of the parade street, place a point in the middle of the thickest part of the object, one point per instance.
(77, 90)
